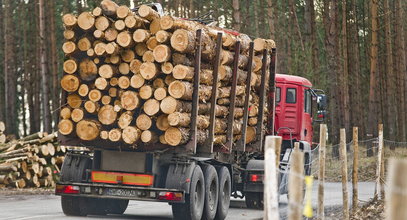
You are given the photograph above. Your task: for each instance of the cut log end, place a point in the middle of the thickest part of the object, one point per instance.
(65, 126)
(86, 20)
(143, 122)
(131, 135)
(129, 100)
(151, 107)
(162, 53)
(148, 70)
(107, 115)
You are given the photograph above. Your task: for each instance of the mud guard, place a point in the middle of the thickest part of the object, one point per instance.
(179, 176)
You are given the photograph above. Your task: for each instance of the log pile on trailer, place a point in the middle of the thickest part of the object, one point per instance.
(32, 161)
(129, 79)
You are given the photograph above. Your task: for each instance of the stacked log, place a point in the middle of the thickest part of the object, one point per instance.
(2, 135)
(32, 161)
(128, 78)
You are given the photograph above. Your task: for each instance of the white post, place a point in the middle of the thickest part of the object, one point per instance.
(270, 178)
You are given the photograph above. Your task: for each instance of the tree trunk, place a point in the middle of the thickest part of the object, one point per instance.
(236, 15)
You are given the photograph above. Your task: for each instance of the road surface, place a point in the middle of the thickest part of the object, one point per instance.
(24, 207)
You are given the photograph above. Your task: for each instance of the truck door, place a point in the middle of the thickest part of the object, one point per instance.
(307, 129)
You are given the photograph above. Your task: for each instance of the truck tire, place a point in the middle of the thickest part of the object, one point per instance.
(117, 206)
(73, 206)
(225, 189)
(254, 200)
(211, 192)
(192, 209)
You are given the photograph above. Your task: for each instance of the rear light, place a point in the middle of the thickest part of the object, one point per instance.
(170, 196)
(67, 189)
(256, 178)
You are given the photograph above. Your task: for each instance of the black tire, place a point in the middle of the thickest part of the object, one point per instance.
(117, 206)
(254, 200)
(192, 209)
(225, 190)
(211, 192)
(73, 206)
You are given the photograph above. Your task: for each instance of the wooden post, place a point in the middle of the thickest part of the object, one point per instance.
(379, 162)
(396, 196)
(382, 168)
(270, 180)
(296, 184)
(343, 158)
(355, 170)
(321, 174)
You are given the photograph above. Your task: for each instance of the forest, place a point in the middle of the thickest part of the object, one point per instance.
(352, 49)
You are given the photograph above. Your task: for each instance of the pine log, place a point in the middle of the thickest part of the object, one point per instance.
(136, 81)
(148, 56)
(127, 55)
(225, 92)
(187, 73)
(111, 34)
(84, 44)
(122, 11)
(162, 139)
(124, 82)
(83, 90)
(74, 101)
(169, 79)
(115, 135)
(109, 8)
(107, 71)
(100, 49)
(94, 95)
(152, 43)
(97, 12)
(24, 166)
(69, 47)
(162, 53)
(162, 122)
(101, 83)
(35, 167)
(112, 48)
(148, 70)
(114, 59)
(183, 41)
(104, 135)
(143, 122)
(69, 20)
(253, 110)
(179, 136)
(7, 167)
(105, 100)
(135, 66)
(167, 68)
(149, 137)
(170, 105)
(113, 92)
(92, 107)
(179, 58)
(227, 58)
(124, 39)
(155, 26)
(65, 113)
(86, 20)
(184, 90)
(65, 126)
(87, 70)
(239, 101)
(261, 44)
(158, 83)
(250, 134)
(134, 21)
(98, 34)
(148, 13)
(141, 35)
(141, 48)
(163, 36)
(91, 52)
(125, 119)
(130, 100)
(146, 92)
(119, 25)
(70, 83)
(106, 115)
(131, 134)
(160, 93)
(44, 150)
(69, 35)
(88, 130)
(51, 149)
(77, 115)
(70, 66)
(151, 107)
(181, 119)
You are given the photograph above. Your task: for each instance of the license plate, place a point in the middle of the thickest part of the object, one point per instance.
(121, 192)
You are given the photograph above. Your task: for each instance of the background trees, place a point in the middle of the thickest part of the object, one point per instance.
(353, 49)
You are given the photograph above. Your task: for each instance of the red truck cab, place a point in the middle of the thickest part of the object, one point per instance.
(293, 112)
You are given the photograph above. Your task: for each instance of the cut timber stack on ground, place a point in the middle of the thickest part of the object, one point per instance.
(2, 135)
(32, 161)
(129, 79)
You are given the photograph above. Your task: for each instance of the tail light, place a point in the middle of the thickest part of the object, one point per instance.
(67, 189)
(256, 178)
(170, 196)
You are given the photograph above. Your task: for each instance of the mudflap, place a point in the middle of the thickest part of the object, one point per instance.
(179, 176)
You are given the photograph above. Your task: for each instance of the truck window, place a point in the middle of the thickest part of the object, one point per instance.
(278, 94)
(308, 102)
(291, 95)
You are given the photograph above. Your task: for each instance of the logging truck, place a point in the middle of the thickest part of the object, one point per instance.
(190, 133)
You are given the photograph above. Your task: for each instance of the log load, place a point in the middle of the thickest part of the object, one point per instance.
(129, 78)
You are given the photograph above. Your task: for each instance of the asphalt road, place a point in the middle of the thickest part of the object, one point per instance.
(22, 207)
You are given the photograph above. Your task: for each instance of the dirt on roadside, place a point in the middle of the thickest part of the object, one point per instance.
(26, 191)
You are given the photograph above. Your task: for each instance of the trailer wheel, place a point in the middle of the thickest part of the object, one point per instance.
(211, 191)
(225, 186)
(117, 206)
(254, 200)
(73, 206)
(194, 202)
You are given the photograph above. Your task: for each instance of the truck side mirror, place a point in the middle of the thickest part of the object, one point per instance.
(321, 102)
